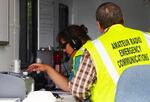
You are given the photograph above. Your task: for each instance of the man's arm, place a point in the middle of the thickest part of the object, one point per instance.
(86, 75)
(58, 79)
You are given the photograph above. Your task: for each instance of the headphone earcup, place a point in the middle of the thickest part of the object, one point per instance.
(75, 43)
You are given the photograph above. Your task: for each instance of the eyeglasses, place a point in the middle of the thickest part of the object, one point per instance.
(63, 46)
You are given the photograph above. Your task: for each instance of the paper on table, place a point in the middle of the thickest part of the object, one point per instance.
(40, 96)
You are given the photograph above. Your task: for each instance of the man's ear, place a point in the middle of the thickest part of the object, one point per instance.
(99, 27)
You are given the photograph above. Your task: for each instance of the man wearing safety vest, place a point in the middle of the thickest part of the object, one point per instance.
(105, 58)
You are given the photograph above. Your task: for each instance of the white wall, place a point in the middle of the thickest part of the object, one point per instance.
(136, 14)
(11, 51)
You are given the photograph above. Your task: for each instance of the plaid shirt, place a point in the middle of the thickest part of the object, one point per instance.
(86, 75)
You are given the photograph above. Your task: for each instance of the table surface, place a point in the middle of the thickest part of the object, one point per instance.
(64, 96)
(9, 100)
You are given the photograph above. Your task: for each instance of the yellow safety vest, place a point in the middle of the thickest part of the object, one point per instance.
(113, 52)
(76, 61)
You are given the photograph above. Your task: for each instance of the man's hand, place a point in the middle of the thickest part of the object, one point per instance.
(38, 67)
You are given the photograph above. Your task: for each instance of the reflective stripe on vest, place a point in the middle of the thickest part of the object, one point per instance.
(105, 87)
(106, 60)
(147, 36)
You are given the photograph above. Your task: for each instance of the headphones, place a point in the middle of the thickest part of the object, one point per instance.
(74, 42)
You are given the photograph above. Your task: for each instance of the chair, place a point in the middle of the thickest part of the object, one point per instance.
(12, 87)
(134, 85)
